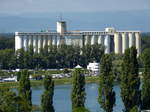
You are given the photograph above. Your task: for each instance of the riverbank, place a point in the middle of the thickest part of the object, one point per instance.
(40, 82)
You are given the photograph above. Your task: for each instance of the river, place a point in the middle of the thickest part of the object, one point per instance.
(62, 95)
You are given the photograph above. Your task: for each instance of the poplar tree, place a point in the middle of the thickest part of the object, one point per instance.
(8, 100)
(106, 94)
(130, 81)
(25, 92)
(78, 90)
(145, 97)
(47, 96)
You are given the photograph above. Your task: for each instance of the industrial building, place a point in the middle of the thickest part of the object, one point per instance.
(113, 40)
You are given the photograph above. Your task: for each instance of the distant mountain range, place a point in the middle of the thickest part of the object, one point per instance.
(124, 20)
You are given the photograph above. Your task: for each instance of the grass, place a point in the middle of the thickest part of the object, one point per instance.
(40, 82)
(9, 84)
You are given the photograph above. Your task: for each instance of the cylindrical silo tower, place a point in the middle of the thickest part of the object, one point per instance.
(93, 39)
(138, 42)
(35, 43)
(131, 39)
(118, 43)
(18, 41)
(101, 39)
(39, 43)
(107, 44)
(125, 41)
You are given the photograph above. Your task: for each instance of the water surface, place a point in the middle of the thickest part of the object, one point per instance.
(62, 96)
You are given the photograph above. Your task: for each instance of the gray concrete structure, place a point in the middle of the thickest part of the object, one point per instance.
(113, 40)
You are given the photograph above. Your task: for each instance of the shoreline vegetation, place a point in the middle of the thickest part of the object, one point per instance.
(89, 79)
(56, 81)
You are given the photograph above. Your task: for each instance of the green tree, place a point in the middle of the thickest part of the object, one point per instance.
(47, 97)
(25, 92)
(8, 101)
(145, 96)
(86, 54)
(37, 60)
(20, 55)
(97, 51)
(78, 90)
(66, 71)
(130, 81)
(7, 41)
(117, 66)
(145, 41)
(106, 94)
(28, 59)
(81, 109)
(53, 56)
(91, 53)
(134, 109)
(6, 57)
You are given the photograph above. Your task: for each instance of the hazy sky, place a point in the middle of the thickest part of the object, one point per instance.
(35, 6)
(14, 12)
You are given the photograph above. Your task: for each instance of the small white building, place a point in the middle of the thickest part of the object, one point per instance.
(78, 66)
(94, 68)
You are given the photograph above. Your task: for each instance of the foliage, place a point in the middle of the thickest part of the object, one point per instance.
(106, 94)
(7, 41)
(81, 109)
(47, 96)
(146, 80)
(116, 68)
(25, 92)
(7, 59)
(78, 90)
(18, 74)
(63, 56)
(145, 41)
(8, 101)
(134, 109)
(2, 73)
(130, 81)
(66, 71)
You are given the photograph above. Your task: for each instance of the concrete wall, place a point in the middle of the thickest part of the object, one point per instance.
(122, 40)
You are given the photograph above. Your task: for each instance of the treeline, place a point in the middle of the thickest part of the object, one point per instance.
(134, 98)
(145, 41)
(63, 56)
(7, 41)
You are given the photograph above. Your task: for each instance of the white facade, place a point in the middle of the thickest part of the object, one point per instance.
(61, 27)
(113, 40)
(94, 67)
(107, 44)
